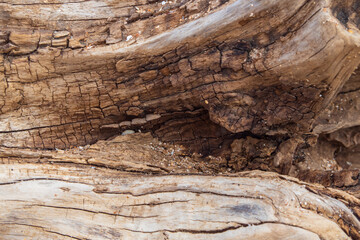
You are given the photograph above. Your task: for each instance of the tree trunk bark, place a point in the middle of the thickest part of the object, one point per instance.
(215, 87)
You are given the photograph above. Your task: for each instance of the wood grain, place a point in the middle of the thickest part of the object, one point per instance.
(82, 203)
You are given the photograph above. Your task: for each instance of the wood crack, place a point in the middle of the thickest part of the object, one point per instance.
(42, 228)
(91, 211)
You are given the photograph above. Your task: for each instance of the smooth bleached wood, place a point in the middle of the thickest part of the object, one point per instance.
(76, 203)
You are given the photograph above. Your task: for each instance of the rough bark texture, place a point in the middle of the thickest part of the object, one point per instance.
(218, 87)
(258, 67)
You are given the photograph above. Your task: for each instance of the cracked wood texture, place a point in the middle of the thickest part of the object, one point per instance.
(235, 84)
(111, 190)
(76, 72)
(67, 202)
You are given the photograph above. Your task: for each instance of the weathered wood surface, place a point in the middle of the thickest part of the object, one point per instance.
(258, 84)
(331, 155)
(255, 66)
(191, 72)
(51, 202)
(122, 189)
(132, 153)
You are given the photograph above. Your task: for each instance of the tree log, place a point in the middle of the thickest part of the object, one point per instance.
(77, 202)
(254, 66)
(121, 189)
(218, 87)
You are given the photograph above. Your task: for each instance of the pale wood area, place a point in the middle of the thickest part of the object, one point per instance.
(117, 190)
(66, 202)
